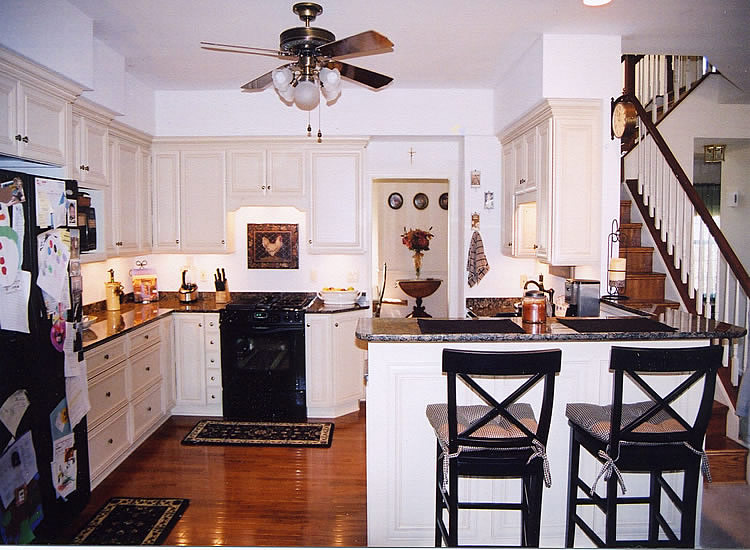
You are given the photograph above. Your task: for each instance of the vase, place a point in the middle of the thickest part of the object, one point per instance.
(418, 262)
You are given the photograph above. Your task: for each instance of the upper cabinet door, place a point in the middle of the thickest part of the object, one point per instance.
(8, 115)
(166, 201)
(128, 187)
(93, 159)
(202, 201)
(247, 175)
(42, 125)
(336, 206)
(286, 174)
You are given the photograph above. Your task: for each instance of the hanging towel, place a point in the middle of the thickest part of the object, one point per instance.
(476, 265)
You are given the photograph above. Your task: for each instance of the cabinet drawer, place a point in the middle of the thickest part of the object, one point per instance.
(213, 342)
(106, 394)
(212, 322)
(144, 369)
(146, 410)
(213, 360)
(144, 337)
(213, 378)
(105, 356)
(107, 442)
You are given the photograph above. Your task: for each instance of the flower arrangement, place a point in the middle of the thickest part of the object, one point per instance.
(417, 240)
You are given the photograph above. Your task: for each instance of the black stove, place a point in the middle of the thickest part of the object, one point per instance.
(268, 307)
(263, 356)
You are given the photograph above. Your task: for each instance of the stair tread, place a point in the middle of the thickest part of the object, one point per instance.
(631, 225)
(643, 249)
(721, 443)
(649, 275)
(719, 408)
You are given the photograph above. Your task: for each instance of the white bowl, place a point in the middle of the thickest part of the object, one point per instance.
(339, 297)
(87, 320)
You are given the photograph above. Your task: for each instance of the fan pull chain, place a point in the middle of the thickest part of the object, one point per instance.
(320, 134)
(309, 127)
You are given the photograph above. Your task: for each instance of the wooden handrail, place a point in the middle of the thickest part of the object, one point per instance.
(731, 258)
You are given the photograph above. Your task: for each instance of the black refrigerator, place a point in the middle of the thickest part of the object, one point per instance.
(44, 463)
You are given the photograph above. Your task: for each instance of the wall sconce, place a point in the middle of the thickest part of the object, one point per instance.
(713, 153)
(616, 267)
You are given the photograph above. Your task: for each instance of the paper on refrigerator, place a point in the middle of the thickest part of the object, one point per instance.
(51, 204)
(77, 394)
(14, 303)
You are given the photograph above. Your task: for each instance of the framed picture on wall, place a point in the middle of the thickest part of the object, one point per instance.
(272, 246)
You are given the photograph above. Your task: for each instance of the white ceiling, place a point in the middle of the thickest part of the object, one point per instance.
(438, 44)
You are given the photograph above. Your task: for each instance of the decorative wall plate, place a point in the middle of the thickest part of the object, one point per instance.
(421, 201)
(443, 201)
(395, 200)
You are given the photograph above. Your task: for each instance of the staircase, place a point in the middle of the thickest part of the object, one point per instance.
(645, 290)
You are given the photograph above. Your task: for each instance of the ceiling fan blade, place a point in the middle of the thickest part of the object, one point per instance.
(259, 83)
(242, 49)
(357, 44)
(358, 74)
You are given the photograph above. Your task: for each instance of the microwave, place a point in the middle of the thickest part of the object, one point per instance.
(86, 222)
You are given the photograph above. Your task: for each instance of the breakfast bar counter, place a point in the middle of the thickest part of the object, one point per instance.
(405, 375)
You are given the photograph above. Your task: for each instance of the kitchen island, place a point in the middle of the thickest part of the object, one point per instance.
(404, 375)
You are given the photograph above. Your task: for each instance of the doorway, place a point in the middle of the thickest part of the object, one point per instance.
(401, 205)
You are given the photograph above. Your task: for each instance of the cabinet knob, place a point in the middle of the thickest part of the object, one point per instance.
(213, 396)
(106, 356)
(211, 342)
(213, 378)
(535, 247)
(87, 168)
(110, 441)
(222, 241)
(263, 187)
(210, 323)
(335, 324)
(213, 360)
(108, 394)
(310, 241)
(148, 369)
(521, 181)
(510, 243)
(268, 187)
(177, 241)
(17, 137)
(149, 409)
(146, 337)
(82, 167)
(25, 139)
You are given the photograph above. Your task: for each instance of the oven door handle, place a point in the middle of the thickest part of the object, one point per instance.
(267, 329)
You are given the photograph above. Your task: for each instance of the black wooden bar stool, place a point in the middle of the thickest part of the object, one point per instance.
(501, 439)
(644, 437)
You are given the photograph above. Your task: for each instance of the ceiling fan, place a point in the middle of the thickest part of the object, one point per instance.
(316, 66)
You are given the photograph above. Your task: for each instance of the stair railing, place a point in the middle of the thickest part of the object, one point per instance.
(661, 81)
(717, 282)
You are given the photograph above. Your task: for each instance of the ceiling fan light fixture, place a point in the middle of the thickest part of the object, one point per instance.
(287, 94)
(330, 82)
(282, 77)
(306, 94)
(595, 3)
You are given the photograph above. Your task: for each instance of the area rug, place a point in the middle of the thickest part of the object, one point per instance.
(282, 434)
(132, 521)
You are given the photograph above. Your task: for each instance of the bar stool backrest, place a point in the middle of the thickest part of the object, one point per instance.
(657, 422)
(536, 366)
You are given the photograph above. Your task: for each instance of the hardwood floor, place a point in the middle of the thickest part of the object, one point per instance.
(250, 496)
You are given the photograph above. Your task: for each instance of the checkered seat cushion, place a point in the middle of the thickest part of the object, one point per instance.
(595, 419)
(499, 427)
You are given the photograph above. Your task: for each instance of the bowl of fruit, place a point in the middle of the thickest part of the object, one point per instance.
(339, 296)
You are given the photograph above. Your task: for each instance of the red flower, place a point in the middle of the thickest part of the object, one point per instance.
(417, 239)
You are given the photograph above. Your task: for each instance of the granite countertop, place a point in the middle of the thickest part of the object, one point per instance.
(672, 324)
(109, 324)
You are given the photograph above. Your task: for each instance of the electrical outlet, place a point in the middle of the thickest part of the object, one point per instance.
(524, 278)
(313, 275)
(203, 276)
(352, 277)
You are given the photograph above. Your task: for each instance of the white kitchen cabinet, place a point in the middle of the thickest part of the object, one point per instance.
(89, 164)
(130, 194)
(125, 378)
(189, 199)
(197, 354)
(263, 175)
(567, 153)
(334, 364)
(336, 214)
(520, 172)
(34, 121)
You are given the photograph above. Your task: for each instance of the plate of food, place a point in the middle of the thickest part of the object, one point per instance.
(338, 296)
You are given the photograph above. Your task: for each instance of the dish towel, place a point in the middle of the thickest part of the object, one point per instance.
(476, 265)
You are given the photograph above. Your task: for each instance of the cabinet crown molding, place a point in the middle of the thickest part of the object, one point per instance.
(547, 108)
(26, 70)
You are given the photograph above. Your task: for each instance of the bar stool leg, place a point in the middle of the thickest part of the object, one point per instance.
(654, 507)
(570, 525)
(610, 533)
(690, 485)
(532, 527)
(453, 504)
(438, 497)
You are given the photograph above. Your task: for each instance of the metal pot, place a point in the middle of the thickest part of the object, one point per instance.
(188, 292)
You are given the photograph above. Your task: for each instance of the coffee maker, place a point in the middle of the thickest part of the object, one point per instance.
(582, 297)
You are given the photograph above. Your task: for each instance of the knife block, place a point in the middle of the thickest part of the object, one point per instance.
(222, 297)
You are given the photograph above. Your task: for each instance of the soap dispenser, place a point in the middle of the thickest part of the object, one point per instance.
(113, 291)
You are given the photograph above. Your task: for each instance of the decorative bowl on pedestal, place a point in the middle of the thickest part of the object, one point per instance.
(419, 288)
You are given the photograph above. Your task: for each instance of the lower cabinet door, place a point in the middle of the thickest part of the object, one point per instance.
(147, 409)
(107, 442)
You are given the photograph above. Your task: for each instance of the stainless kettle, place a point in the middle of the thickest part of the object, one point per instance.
(188, 292)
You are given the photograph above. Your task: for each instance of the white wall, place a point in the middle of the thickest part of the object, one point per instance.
(735, 178)
(53, 33)
(521, 88)
(109, 78)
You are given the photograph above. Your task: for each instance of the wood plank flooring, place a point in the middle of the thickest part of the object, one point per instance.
(250, 496)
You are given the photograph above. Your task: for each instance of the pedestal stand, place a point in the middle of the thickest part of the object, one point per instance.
(419, 288)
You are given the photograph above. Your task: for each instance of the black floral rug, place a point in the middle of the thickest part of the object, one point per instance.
(132, 521)
(283, 434)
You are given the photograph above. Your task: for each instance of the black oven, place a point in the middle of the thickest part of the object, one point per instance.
(263, 357)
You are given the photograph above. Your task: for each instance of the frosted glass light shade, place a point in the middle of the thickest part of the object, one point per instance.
(330, 80)
(281, 78)
(306, 95)
(287, 94)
